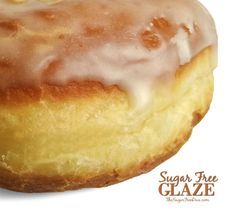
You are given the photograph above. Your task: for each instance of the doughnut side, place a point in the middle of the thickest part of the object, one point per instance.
(90, 135)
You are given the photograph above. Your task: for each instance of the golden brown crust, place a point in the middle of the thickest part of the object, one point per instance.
(24, 95)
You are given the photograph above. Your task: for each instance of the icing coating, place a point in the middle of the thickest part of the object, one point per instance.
(129, 43)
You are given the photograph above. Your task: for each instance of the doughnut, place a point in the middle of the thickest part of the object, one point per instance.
(94, 92)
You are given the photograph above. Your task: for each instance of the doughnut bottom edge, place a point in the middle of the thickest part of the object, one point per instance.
(136, 146)
(39, 184)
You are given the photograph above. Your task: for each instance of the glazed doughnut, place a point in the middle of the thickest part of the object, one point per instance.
(93, 92)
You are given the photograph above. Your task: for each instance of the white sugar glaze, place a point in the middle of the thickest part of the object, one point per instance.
(100, 40)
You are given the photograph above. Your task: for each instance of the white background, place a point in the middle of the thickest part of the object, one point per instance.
(211, 148)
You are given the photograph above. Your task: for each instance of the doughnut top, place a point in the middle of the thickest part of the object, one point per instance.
(129, 43)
